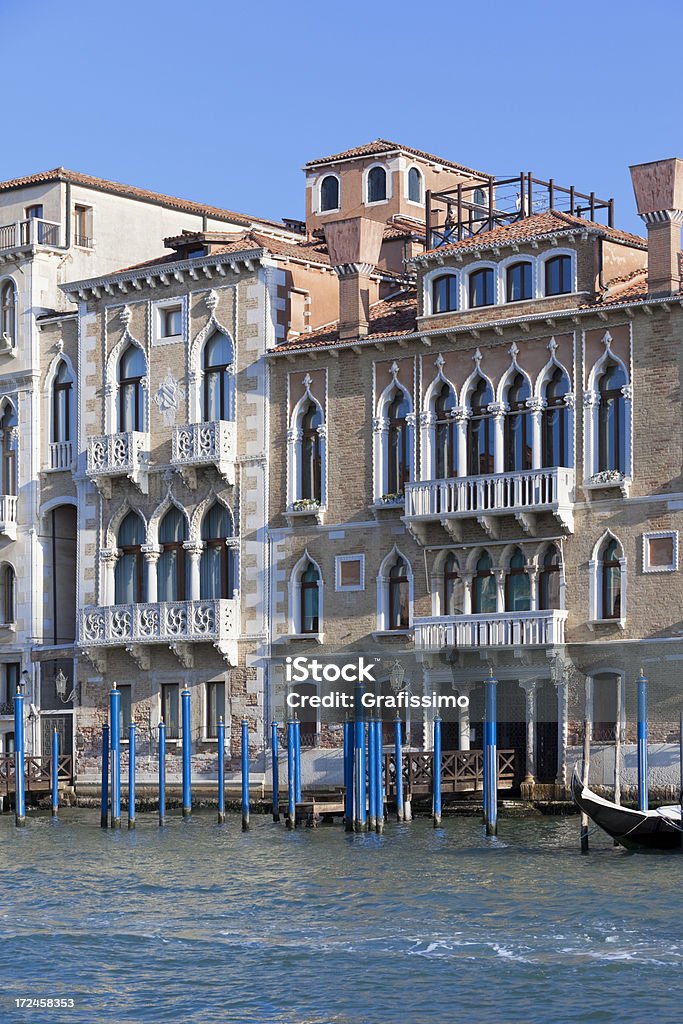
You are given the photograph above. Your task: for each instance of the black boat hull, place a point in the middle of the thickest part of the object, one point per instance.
(635, 830)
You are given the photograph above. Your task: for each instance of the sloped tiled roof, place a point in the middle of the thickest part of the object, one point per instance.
(384, 146)
(392, 317)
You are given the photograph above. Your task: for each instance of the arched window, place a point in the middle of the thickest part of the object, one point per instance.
(8, 433)
(549, 580)
(445, 436)
(450, 582)
(217, 366)
(172, 568)
(610, 580)
(555, 433)
(309, 611)
(399, 595)
(479, 430)
(132, 371)
(61, 403)
(484, 599)
(217, 569)
(518, 426)
(377, 185)
(444, 293)
(329, 193)
(398, 469)
(518, 281)
(558, 275)
(481, 290)
(311, 460)
(414, 185)
(129, 574)
(517, 584)
(7, 594)
(8, 313)
(612, 418)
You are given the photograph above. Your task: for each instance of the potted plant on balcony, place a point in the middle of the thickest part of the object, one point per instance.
(304, 508)
(607, 480)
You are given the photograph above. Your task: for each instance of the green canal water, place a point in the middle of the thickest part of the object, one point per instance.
(200, 923)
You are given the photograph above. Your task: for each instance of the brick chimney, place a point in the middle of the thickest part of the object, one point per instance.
(354, 245)
(658, 187)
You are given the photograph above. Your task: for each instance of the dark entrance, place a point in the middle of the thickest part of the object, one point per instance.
(64, 726)
(546, 732)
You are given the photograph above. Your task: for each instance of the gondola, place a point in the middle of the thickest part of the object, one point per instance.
(659, 829)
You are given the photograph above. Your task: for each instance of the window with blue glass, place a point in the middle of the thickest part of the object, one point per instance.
(173, 583)
(450, 582)
(517, 584)
(129, 573)
(484, 597)
(217, 564)
(518, 281)
(555, 423)
(558, 275)
(61, 404)
(549, 579)
(445, 436)
(399, 595)
(311, 460)
(480, 430)
(444, 293)
(518, 426)
(612, 419)
(398, 468)
(310, 599)
(481, 287)
(131, 372)
(610, 589)
(218, 379)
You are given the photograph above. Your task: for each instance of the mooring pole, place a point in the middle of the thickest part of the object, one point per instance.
(291, 781)
(586, 775)
(348, 776)
(54, 773)
(372, 776)
(245, 775)
(492, 756)
(276, 770)
(162, 772)
(436, 801)
(643, 799)
(221, 769)
(680, 756)
(132, 752)
(360, 801)
(19, 759)
(398, 761)
(115, 743)
(297, 758)
(104, 798)
(187, 753)
(380, 783)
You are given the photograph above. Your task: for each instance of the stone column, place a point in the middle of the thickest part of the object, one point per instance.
(532, 573)
(467, 593)
(530, 689)
(194, 551)
(536, 405)
(500, 589)
(498, 410)
(464, 690)
(152, 554)
(562, 687)
(461, 417)
(108, 559)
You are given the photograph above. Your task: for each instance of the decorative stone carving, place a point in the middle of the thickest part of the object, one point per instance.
(168, 398)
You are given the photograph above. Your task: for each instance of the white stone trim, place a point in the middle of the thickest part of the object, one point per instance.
(295, 596)
(383, 590)
(389, 181)
(652, 535)
(339, 559)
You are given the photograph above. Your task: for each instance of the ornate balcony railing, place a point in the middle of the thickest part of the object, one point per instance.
(499, 629)
(166, 622)
(31, 231)
(118, 455)
(8, 515)
(205, 444)
(522, 494)
(61, 454)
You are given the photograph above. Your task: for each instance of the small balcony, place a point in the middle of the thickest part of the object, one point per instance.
(8, 516)
(525, 495)
(196, 445)
(60, 456)
(113, 455)
(499, 629)
(177, 624)
(33, 231)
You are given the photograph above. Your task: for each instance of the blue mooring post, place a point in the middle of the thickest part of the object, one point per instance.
(348, 776)
(187, 753)
(436, 799)
(54, 773)
(643, 796)
(132, 753)
(360, 800)
(245, 775)
(162, 772)
(297, 758)
(19, 759)
(291, 781)
(379, 786)
(115, 738)
(491, 759)
(398, 761)
(275, 752)
(104, 800)
(372, 776)
(221, 771)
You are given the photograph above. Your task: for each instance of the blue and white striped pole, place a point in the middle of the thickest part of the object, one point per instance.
(221, 770)
(360, 811)
(643, 795)
(491, 759)
(187, 753)
(379, 787)
(19, 759)
(115, 743)
(132, 753)
(436, 798)
(291, 780)
(54, 773)
(398, 760)
(275, 752)
(372, 776)
(348, 776)
(162, 772)
(245, 775)
(297, 757)
(104, 798)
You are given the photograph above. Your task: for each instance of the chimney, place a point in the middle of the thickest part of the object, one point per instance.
(354, 245)
(658, 187)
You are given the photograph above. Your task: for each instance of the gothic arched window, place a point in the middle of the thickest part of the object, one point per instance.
(217, 360)
(399, 595)
(311, 461)
(309, 609)
(555, 429)
(484, 599)
(450, 581)
(518, 428)
(8, 313)
(131, 373)
(445, 434)
(129, 574)
(610, 580)
(549, 580)
(217, 568)
(398, 466)
(173, 568)
(61, 403)
(479, 430)
(612, 419)
(517, 584)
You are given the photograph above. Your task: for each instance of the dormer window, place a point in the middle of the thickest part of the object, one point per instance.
(444, 293)
(558, 275)
(329, 193)
(377, 185)
(481, 287)
(518, 282)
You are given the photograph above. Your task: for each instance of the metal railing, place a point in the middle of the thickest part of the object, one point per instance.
(499, 492)
(84, 241)
(31, 231)
(497, 629)
(61, 455)
(462, 771)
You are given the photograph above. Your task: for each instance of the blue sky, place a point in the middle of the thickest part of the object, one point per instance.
(224, 102)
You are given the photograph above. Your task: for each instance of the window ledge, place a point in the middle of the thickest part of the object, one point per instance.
(622, 484)
(619, 623)
(387, 634)
(384, 509)
(11, 627)
(315, 512)
(286, 638)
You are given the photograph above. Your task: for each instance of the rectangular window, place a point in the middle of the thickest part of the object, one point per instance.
(125, 715)
(83, 226)
(215, 708)
(168, 321)
(11, 674)
(350, 572)
(171, 322)
(660, 551)
(169, 710)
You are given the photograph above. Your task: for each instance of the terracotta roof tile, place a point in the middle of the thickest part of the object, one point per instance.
(384, 146)
(392, 317)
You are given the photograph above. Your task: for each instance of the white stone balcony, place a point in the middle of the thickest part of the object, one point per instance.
(60, 455)
(178, 624)
(525, 495)
(8, 516)
(32, 231)
(114, 455)
(196, 445)
(498, 629)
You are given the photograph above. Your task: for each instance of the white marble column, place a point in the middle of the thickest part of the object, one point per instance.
(497, 409)
(108, 560)
(467, 593)
(530, 688)
(195, 553)
(464, 690)
(152, 554)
